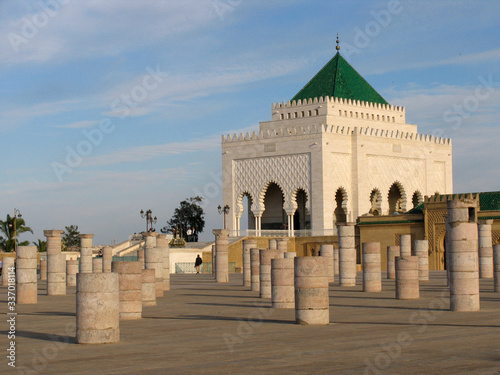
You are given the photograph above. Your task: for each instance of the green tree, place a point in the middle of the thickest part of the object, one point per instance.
(7, 229)
(188, 215)
(70, 238)
(41, 246)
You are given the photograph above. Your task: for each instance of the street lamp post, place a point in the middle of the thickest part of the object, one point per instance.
(223, 210)
(149, 219)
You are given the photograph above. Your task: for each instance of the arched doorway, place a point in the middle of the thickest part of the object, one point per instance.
(397, 199)
(274, 217)
(244, 215)
(301, 217)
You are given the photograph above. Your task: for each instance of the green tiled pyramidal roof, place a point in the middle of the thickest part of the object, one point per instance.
(340, 80)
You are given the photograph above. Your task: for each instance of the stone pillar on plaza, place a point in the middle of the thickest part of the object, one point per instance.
(282, 283)
(56, 264)
(462, 249)
(327, 251)
(392, 253)
(71, 271)
(265, 271)
(372, 277)
(347, 254)
(273, 244)
(421, 250)
(43, 269)
(336, 260)
(312, 304)
(153, 260)
(213, 260)
(247, 272)
(7, 262)
(290, 254)
(26, 279)
(496, 267)
(222, 261)
(282, 246)
(97, 265)
(148, 287)
(107, 258)
(255, 269)
(130, 280)
(405, 245)
(97, 308)
(86, 253)
(407, 285)
(485, 249)
(163, 243)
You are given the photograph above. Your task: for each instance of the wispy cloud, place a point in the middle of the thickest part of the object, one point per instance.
(78, 124)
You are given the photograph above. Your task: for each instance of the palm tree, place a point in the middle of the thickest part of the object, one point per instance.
(41, 245)
(7, 228)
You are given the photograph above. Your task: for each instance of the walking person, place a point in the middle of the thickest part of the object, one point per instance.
(198, 263)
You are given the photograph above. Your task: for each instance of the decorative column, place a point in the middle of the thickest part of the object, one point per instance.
(97, 265)
(347, 254)
(392, 253)
(372, 278)
(130, 280)
(7, 262)
(265, 271)
(71, 271)
(153, 258)
(26, 279)
(255, 269)
(282, 283)
(421, 248)
(163, 243)
(407, 286)
(327, 252)
(148, 287)
(222, 261)
(462, 248)
(312, 304)
(56, 264)
(405, 245)
(86, 253)
(107, 258)
(97, 308)
(485, 249)
(247, 273)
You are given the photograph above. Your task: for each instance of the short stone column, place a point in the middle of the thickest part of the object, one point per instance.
(43, 269)
(163, 243)
(312, 305)
(153, 260)
(327, 251)
(462, 249)
(107, 258)
(255, 269)
(273, 244)
(56, 275)
(347, 254)
(496, 267)
(421, 249)
(247, 273)
(26, 278)
(130, 280)
(265, 271)
(407, 285)
(405, 245)
(7, 262)
(485, 249)
(290, 255)
(71, 271)
(282, 283)
(97, 308)
(392, 253)
(282, 246)
(372, 277)
(148, 287)
(56, 264)
(222, 260)
(86, 253)
(213, 260)
(97, 265)
(336, 260)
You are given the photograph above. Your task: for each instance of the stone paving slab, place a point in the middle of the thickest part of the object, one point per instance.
(201, 327)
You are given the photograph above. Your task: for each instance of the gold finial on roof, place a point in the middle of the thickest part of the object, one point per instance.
(337, 47)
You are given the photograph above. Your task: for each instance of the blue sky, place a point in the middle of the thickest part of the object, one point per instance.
(110, 107)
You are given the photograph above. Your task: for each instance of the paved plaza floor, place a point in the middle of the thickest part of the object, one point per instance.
(200, 327)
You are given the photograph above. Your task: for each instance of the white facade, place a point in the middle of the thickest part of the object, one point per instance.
(343, 156)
